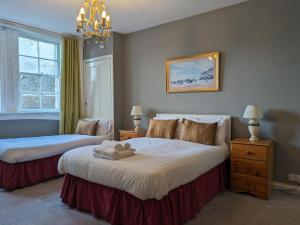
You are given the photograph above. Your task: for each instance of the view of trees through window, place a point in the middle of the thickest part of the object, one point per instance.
(39, 75)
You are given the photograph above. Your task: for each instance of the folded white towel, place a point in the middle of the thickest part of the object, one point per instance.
(126, 146)
(118, 147)
(113, 144)
(101, 156)
(110, 143)
(113, 154)
(107, 150)
(100, 148)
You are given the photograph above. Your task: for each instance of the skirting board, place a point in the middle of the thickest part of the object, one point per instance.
(290, 188)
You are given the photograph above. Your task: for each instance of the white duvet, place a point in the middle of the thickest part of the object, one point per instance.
(14, 150)
(159, 166)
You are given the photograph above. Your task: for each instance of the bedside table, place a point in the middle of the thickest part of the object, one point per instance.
(128, 134)
(251, 165)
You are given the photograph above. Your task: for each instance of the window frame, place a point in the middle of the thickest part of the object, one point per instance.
(39, 39)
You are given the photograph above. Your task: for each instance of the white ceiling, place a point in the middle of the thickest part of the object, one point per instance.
(127, 15)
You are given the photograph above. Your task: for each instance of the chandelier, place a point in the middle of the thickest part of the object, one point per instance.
(93, 21)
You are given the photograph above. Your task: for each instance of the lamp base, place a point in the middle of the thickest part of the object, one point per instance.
(253, 138)
(137, 123)
(254, 130)
(137, 130)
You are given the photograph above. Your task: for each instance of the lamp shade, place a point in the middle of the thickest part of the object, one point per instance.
(136, 111)
(252, 112)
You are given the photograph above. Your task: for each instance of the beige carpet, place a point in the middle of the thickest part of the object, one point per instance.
(41, 205)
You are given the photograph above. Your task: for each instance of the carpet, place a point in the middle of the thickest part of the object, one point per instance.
(41, 205)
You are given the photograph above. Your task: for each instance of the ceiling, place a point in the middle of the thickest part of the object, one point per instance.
(127, 15)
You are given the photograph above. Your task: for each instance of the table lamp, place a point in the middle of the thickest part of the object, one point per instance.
(253, 113)
(137, 112)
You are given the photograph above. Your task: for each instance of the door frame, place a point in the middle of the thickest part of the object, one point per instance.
(87, 61)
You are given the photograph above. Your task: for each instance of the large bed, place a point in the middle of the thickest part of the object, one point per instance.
(30, 160)
(166, 183)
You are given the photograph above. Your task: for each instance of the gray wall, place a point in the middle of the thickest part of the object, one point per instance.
(27, 128)
(260, 64)
(118, 50)
(92, 48)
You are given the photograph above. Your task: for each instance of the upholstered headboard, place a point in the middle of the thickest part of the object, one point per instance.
(221, 119)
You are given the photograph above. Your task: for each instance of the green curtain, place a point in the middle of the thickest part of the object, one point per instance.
(70, 104)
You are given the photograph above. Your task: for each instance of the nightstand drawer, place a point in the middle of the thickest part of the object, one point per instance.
(249, 167)
(123, 137)
(248, 182)
(253, 152)
(127, 135)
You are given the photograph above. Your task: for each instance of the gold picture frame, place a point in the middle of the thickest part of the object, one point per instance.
(197, 73)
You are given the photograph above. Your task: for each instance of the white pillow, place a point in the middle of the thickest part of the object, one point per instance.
(104, 127)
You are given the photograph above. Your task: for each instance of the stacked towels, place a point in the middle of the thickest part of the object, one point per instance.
(113, 150)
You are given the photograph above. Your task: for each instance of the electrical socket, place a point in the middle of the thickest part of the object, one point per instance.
(294, 177)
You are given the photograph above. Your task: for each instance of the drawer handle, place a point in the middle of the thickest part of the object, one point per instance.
(257, 173)
(249, 153)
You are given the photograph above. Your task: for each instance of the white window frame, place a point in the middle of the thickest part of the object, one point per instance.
(41, 35)
(58, 45)
(30, 116)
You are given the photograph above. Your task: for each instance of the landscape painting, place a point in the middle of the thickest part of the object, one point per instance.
(194, 73)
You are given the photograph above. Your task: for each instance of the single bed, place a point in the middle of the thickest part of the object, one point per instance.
(30, 160)
(166, 183)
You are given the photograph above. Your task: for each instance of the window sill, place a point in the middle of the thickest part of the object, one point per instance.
(30, 116)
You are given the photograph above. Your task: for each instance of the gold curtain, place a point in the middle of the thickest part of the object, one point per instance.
(70, 104)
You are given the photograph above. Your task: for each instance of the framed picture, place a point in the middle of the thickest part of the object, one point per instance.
(194, 73)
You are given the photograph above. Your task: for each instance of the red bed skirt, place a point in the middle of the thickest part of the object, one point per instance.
(121, 208)
(18, 175)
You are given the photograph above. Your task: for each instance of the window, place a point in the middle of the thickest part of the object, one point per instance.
(29, 74)
(39, 75)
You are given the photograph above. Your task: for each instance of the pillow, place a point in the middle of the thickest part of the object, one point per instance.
(178, 126)
(203, 133)
(221, 134)
(162, 128)
(86, 127)
(222, 130)
(104, 127)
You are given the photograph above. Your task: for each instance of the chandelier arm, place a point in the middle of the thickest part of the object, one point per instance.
(93, 23)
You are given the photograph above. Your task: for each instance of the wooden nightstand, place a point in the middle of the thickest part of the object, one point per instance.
(251, 166)
(127, 134)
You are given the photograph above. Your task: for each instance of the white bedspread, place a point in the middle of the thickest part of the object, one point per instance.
(15, 150)
(159, 166)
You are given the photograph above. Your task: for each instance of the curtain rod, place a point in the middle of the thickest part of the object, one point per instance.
(28, 29)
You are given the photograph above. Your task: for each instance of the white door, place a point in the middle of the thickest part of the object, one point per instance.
(98, 87)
